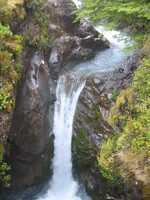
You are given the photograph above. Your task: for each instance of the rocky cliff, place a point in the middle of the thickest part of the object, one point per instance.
(91, 125)
(30, 138)
(28, 129)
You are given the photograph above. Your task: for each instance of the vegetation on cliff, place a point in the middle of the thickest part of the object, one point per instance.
(129, 150)
(41, 37)
(10, 49)
(14, 15)
(4, 170)
(125, 158)
(11, 45)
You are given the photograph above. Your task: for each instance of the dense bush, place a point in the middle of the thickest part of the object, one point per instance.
(131, 148)
(10, 49)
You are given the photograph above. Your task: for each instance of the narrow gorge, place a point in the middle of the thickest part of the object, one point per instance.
(62, 109)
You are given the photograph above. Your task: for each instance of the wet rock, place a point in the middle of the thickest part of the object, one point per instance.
(74, 41)
(93, 43)
(61, 14)
(85, 29)
(32, 122)
(68, 49)
(91, 127)
(92, 183)
(56, 31)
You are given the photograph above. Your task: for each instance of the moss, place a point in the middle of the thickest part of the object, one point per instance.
(92, 91)
(8, 8)
(81, 145)
(100, 35)
(93, 194)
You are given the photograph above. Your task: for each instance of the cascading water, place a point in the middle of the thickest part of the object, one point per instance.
(70, 85)
(62, 186)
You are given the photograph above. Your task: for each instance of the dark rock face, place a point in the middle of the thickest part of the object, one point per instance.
(67, 49)
(85, 29)
(5, 125)
(32, 122)
(61, 14)
(74, 41)
(93, 43)
(91, 126)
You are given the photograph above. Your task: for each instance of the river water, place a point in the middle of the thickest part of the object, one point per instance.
(63, 185)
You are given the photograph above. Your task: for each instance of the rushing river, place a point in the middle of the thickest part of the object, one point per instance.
(63, 185)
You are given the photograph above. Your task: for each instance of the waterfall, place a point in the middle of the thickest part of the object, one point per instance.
(62, 185)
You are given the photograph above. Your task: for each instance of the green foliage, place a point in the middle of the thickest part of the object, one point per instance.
(131, 114)
(5, 31)
(119, 14)
(107, 164)
(10, 7)
(114, 95)
(100, 35)
(4, 100)
(40, 17)
(39, 11)
(38, 42)
(141, 81)
(4, 170)
(10, 49)
(123, 109)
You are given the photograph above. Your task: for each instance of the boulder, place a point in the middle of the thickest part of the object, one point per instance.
(68, 49)
(96, 44)
(56, 31)
(85, 29)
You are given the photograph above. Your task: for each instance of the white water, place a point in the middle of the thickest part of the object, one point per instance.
(69, 87)
(62, 186)
(78, 3)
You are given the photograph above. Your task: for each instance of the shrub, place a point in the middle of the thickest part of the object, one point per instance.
(4, 170)
(10, 49)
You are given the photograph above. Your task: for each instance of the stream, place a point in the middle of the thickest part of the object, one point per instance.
(63, 185)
